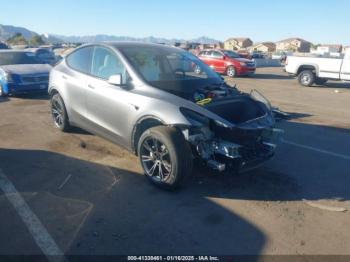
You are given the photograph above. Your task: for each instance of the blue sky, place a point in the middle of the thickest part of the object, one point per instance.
(322, 21)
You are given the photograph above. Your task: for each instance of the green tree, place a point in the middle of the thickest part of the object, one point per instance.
(17, 39)
(36, 40)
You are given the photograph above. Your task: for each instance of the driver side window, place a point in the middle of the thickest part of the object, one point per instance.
(105, 64)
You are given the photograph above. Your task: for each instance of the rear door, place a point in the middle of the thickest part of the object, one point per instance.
(75, 83)
(345, 69)
(203, 55)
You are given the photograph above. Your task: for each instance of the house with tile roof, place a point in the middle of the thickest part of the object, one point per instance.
(293, 44)
(238, 43)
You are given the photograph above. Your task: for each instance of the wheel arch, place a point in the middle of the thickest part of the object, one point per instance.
(144, 123)
(312, 67)
(53, 90)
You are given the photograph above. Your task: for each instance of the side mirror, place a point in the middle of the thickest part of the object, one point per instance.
(115, 80)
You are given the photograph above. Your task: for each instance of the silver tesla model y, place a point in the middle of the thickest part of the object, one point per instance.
(164, 105)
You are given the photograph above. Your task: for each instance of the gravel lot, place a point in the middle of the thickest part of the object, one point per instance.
(90, 197)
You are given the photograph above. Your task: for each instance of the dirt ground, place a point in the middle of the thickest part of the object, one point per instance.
(90, 196)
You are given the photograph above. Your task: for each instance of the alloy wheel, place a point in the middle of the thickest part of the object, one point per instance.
(231, 71)
(57, 112)
(305, 79)
(155, 159)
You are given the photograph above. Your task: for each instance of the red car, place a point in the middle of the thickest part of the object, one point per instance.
(227, 62)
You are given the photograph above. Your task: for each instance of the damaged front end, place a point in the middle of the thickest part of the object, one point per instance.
(250, 140)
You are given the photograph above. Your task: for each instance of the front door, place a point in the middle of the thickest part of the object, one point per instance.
(107, 107)
(217, 61)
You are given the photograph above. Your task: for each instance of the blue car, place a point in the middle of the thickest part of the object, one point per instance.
(21, 72)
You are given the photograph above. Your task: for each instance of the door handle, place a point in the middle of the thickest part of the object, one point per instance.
(64, 77)
(90, 86)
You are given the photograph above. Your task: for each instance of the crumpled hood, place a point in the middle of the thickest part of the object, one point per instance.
(27, 69)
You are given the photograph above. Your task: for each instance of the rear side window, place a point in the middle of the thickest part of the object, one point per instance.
(80, 60)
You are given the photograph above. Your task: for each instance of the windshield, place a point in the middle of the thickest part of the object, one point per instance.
(17, 58)
(161, 64)
(231, 54)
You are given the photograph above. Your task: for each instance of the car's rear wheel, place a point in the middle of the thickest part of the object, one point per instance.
(231, 71)
(165, 157)
(306, 78)
(59, 113)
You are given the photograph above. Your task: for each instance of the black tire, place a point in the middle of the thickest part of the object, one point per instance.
(320, 81)
(306, 78)
(2, 94)
(170, 157)
(59, 113)
(231, 71)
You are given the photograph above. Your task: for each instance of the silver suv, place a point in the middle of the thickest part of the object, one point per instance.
(153, 100)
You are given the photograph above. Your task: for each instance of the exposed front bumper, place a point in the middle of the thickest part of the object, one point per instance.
(28, 88)
(225, 155)
(246, 71)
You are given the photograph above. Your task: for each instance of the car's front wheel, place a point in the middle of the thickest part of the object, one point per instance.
(306, 78)
(231, 71)
(165, 156)
(59, 113)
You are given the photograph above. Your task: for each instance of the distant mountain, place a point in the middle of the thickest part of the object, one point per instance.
(204, 40)
(7, 31)
(150, 39)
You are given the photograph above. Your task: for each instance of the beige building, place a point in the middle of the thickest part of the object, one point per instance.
(293, 44)
(329, 48)
(218, 45)
(265, 47)
(237, 43)
(346, 48)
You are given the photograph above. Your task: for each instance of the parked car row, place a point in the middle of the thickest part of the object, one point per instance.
(22, 72)
(227, 62)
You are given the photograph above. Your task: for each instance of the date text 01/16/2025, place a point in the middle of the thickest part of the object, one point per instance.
(173, 258)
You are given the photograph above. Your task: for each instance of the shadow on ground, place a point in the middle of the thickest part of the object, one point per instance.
(33, 96)
(270, 76)
(340, 85)
(4, 99)
(110, 210)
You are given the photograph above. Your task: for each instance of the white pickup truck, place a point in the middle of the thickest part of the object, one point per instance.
(317, 70)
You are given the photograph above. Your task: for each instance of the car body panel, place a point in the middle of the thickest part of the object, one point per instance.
(114, 112)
